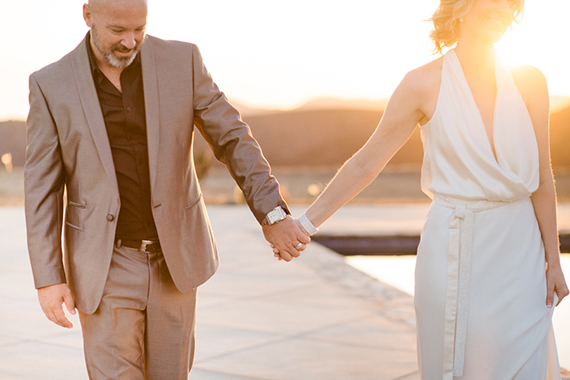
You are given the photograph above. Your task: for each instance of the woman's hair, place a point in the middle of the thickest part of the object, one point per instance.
(446, 21)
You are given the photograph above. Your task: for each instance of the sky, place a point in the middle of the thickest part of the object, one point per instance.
(274, 54)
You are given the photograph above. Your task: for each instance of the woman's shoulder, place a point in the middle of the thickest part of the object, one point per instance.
(421, 85)
(530, 82)
(419, 90)
(528, 76)
(425, 78)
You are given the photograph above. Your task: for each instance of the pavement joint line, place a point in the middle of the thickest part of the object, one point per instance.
(263, 295)
(248, 377)
(408, 375)
(248, 348)
(362, 345)
(301, 335)
(337, 324)
(32, 341)
(61, 345)
(17, 343)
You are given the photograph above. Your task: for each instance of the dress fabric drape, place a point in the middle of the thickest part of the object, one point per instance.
(480, 292)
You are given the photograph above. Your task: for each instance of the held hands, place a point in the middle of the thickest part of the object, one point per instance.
(287, 239)
(51, 299)
(555, 283)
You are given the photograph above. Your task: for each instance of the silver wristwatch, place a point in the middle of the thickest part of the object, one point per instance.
(274, 216)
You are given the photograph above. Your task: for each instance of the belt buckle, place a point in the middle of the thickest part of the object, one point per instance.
(145, 244)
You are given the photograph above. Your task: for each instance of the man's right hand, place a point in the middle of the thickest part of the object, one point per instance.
(51, 299)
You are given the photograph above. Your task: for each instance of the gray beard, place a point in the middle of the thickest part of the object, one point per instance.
(118, 62)
(108, 56)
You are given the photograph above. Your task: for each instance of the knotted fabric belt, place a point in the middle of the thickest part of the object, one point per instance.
(458, 272)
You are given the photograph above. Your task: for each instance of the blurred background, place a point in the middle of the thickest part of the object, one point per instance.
(311, 78)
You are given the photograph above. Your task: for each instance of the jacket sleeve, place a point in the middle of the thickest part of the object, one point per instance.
(232, 142)
(44, 181)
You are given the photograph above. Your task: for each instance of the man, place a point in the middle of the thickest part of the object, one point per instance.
(110, 135)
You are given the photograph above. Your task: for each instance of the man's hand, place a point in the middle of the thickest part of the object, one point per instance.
(284, 236)
(51, 299)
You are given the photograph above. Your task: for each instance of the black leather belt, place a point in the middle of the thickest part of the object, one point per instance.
(146, 246)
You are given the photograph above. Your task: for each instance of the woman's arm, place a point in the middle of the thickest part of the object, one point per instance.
(533, 84)
(402, 114)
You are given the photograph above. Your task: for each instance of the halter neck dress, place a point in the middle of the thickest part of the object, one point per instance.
(480, 294)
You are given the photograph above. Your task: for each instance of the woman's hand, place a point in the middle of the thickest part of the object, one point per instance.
(555, 283)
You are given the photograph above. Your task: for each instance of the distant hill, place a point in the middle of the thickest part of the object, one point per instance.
(250, 111)
(337, 103)
(315, 137)
(560, 138)
(322, 137)
(329, 137)
(13, 140)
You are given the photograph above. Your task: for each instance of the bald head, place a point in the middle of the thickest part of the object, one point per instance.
(103, 4)
(117, 29)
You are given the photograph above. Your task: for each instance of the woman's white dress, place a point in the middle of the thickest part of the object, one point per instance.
(480, 292)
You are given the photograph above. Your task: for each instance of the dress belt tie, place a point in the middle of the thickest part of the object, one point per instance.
(458, 272)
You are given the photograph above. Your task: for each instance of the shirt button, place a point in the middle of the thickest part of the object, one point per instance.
(110, 217)
(129, 109)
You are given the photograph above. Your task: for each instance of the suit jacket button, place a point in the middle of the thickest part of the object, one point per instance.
(110, 217)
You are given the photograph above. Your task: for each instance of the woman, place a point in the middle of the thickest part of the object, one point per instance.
(484, 295)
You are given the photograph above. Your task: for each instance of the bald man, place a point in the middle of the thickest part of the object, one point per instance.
(109, 162)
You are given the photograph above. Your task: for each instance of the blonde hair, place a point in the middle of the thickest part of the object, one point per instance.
(447, 17)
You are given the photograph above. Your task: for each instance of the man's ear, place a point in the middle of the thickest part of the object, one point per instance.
(87, 14)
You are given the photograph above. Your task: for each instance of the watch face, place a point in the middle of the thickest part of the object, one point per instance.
(276, 215)
(272, 217)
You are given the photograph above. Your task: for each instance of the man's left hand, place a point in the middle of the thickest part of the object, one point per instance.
(284, 237)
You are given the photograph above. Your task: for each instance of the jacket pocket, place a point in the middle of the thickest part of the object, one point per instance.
(74, 215)
(75, 204)
(77, 228)
(194, 203)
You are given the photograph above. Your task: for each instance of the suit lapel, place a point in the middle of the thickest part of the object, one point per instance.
(92, 109)
(151, 107)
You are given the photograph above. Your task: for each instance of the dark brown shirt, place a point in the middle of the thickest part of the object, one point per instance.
(124, 115)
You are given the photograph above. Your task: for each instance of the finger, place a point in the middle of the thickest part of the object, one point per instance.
(561, 294)
(286, 256)
(62, 318)
(550, 296)
(294, 252)
(69, 303)
(303, 238)
(58, 317)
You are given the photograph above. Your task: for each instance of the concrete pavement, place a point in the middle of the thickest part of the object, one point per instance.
(314, 318)
(258, 319)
